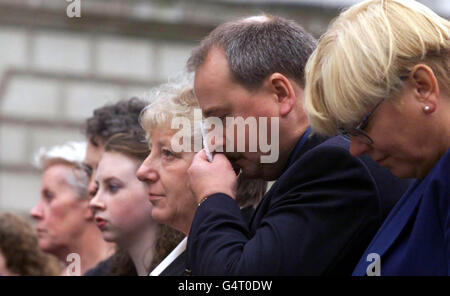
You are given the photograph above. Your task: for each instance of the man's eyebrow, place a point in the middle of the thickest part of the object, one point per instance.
(210, 112)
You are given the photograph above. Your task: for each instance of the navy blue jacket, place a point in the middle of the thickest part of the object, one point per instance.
(318, 218)
(178, 266)
(415, 238)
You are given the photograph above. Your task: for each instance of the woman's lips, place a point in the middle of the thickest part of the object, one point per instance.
(40, 231)
(154, 197)
(101, 223)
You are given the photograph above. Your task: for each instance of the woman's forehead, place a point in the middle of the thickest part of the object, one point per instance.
(115, 164)
(161, 134)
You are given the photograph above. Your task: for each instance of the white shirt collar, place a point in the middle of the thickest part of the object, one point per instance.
(170, 258)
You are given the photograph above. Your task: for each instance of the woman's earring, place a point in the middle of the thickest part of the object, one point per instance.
(426, 108)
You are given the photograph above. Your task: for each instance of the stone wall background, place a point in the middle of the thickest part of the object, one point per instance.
(55, 70)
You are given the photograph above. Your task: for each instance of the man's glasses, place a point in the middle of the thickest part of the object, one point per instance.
(357, 132)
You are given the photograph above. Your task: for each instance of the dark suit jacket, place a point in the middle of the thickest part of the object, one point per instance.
(415, 238)
(317, 219)
(178, 266)
(101, 269)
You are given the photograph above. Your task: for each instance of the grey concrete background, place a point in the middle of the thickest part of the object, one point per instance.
(55, 70)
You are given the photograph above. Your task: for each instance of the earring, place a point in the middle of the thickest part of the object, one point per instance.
(426, 108)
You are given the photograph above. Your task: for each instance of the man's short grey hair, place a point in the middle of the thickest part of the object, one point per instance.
(72, 154)
(258, 46)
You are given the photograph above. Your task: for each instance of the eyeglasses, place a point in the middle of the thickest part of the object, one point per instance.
(358, 132)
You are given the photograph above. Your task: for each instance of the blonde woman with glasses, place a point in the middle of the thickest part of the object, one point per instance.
(380, 77)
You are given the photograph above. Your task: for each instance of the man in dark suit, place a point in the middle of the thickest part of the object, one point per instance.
(325, 206)
(249, 193)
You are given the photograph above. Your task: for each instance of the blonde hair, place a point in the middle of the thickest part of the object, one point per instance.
(176, 99)
(364, 56)
(170, 100)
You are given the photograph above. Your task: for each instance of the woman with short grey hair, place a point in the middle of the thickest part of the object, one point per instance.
(165, 169)
(65, 224)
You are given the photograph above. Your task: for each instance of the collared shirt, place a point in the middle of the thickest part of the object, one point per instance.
(299, 146)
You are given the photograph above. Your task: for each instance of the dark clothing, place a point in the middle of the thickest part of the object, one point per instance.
(415, 238)
(102, 269)
(317, 219)
(247, 213)
(178, 266)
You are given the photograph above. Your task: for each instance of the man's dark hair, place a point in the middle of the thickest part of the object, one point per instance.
(121, 117)
(255, 49)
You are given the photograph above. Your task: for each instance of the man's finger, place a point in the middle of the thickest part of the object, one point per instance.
(201, 155)
(222, 160)
(220, 157)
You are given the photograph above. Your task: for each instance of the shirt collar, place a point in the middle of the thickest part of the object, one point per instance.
(299, 146)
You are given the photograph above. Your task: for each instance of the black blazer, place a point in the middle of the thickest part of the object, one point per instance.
(178, 266)
(101, 269)
(317, 219)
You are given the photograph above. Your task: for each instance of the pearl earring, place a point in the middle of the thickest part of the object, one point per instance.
(426, 108)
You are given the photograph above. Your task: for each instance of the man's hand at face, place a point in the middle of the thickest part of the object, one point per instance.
(207, 178)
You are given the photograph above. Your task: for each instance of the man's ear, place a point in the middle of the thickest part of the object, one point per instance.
(284, 92)
(426, 86)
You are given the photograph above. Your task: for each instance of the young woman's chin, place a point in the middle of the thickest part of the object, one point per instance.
(109, 236)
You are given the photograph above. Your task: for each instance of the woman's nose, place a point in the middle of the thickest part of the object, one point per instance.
(36, 212)
(96, 202)
(147, 172)
(358, 148)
